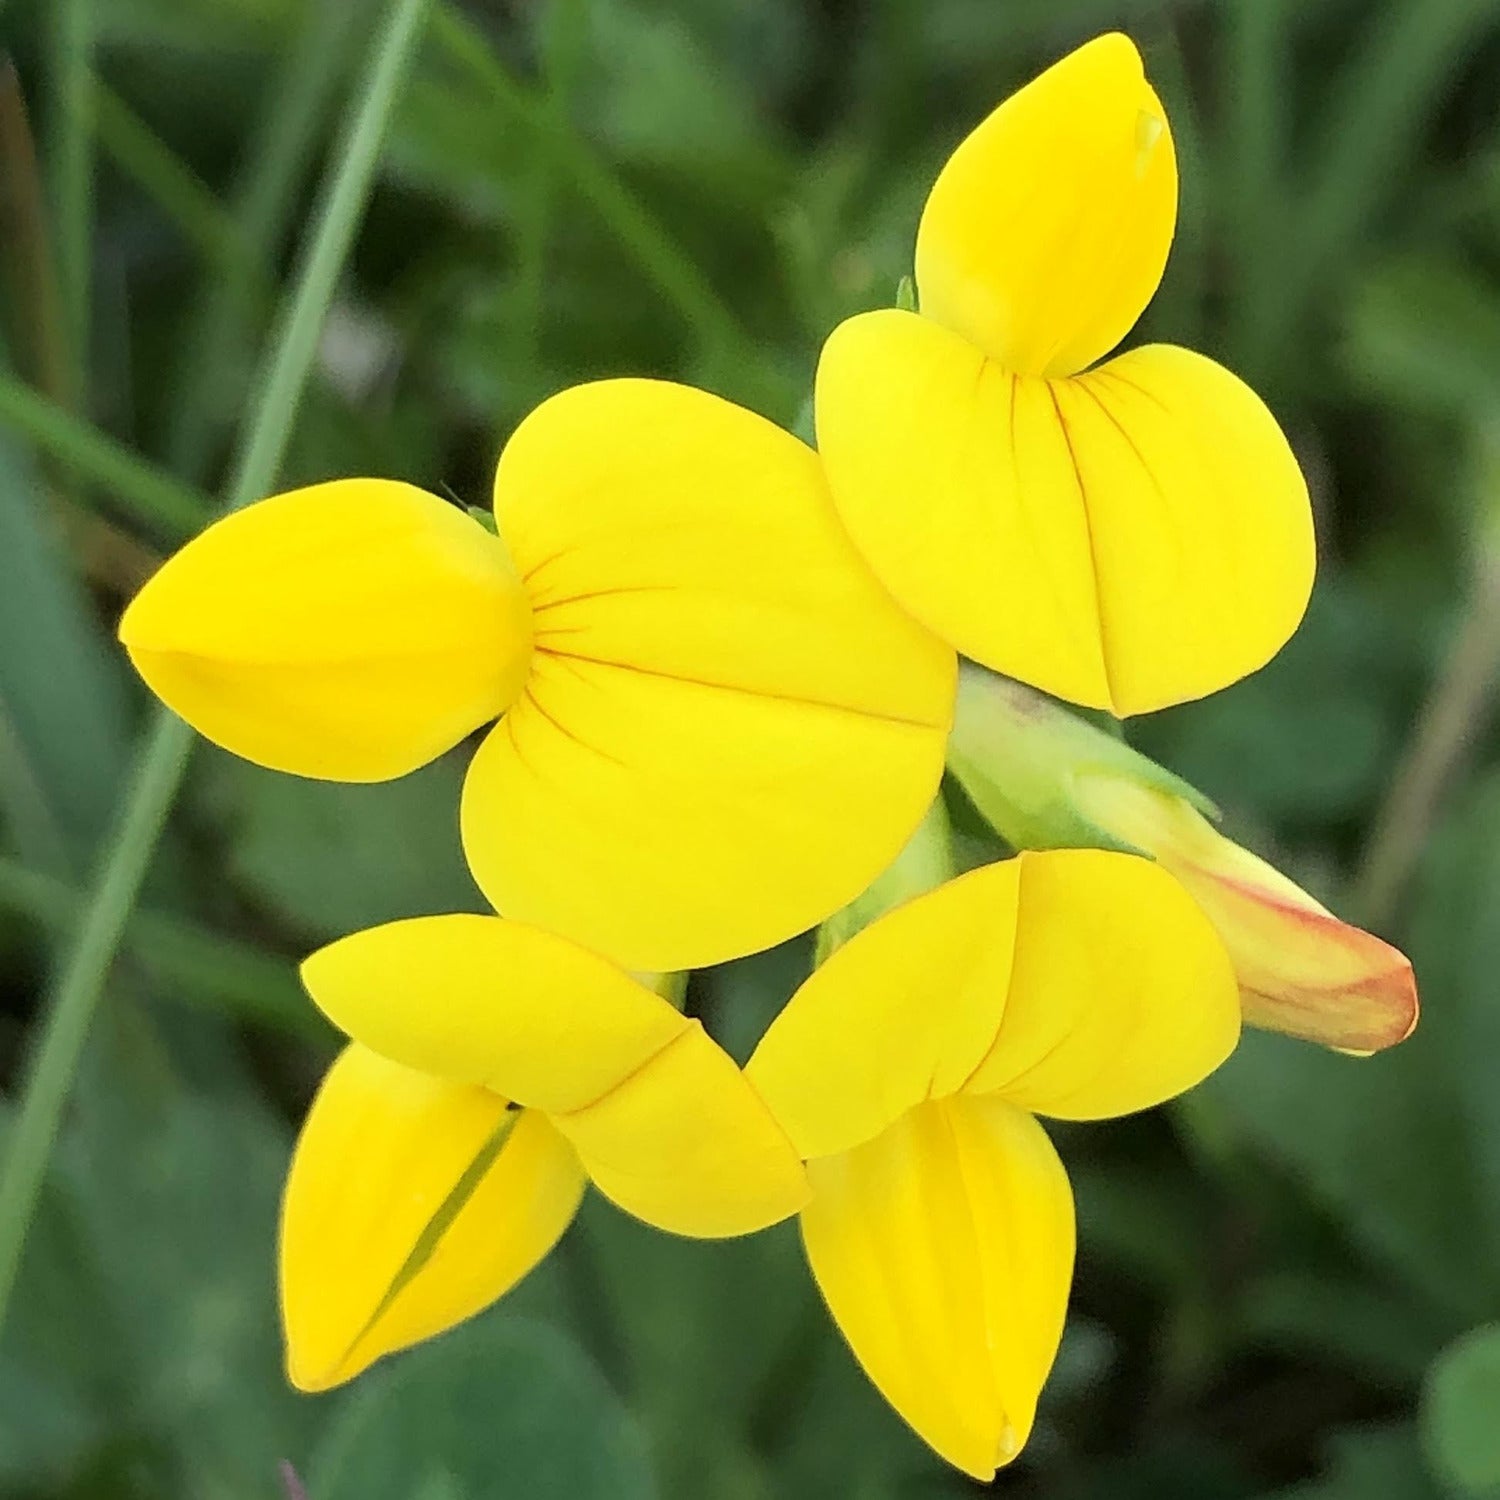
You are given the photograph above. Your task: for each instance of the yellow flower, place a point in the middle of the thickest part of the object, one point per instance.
(1125, 536)
(496, 1069)
(717, 726)
(1078, 984)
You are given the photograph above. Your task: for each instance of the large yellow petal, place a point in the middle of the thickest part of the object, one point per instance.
(1048, 229)
(1202, 527)
(401, 1217)
(1121, 993)
(944, 1249)
(903, 1012)
(489, 1001)
(686, 1144)
(1133, 537)
(350, 631)
(729, 728)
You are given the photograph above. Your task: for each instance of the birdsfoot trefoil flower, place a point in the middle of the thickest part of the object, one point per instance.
(495, 1070)
(715, 726)
(1079, 984)
(1124, 535)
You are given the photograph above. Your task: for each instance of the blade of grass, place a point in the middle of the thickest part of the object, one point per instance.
(165, 507)
(197, 965)
(1379, 106)
(262, 207)
(159, 771)
(72, 167)
(1253, 76)
(671, 270)
(562, 50)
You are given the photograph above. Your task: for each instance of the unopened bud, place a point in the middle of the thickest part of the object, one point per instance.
(1046, 778)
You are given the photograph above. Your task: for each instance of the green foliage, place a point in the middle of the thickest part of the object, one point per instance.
(1459, 1404)
(504, 1408)
(1288, 1283)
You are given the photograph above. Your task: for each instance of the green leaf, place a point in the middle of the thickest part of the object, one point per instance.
(1377, 1142)
(502, 1409)
(702, 1330)
(178, 1199)
(1460, 1405)
(62, 709)
(1373, 1463)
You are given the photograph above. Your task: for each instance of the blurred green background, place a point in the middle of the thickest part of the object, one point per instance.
(1284, 1278)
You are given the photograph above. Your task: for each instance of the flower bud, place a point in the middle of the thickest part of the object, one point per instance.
(1046, 778)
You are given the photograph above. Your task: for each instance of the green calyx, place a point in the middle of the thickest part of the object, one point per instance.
(1019, 756)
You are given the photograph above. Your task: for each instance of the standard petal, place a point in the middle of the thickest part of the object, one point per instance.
(1201, 524)
(1048, 229)
(686, 1144)
(729, 728)
(1137, 536)
(944, 1250)
(350, 631)
(902, 1013)
(488, 1001)
(1121, 993)
(411, 1204)
(953, 479)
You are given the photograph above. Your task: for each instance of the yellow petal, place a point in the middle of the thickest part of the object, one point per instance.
(489, 1001)
(687, 1145)
(1079, 982)
(1121, 994)
(944, 1249)
(729, 728)
(350, 631)
(1300, 969)
(1202, 527)
(663, 1121)
(387, 1158)
(903, 1012)
(1048, 229)
(1129, 538)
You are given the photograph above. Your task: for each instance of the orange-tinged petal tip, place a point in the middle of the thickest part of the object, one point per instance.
(1300, 969)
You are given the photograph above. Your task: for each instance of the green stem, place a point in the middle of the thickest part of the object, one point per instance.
(262, 205)
(199, 966)
(158, 502)
(160, 769)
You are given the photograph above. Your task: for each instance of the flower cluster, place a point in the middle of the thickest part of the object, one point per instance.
(720, 671)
